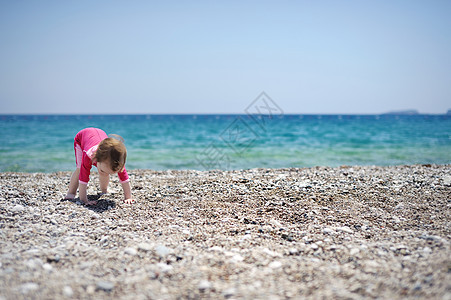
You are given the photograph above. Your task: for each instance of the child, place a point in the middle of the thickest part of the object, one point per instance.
(93, 147)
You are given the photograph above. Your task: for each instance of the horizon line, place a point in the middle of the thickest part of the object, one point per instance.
(400, 113)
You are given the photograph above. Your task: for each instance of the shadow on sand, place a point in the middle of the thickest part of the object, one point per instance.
(101, 206)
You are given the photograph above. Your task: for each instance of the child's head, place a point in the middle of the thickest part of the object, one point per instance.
(113, 152)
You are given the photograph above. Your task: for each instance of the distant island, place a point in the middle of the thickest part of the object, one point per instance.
(408, 112)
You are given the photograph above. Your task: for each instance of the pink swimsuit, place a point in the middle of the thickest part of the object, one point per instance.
(85, 145)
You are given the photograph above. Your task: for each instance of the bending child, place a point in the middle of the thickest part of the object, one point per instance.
(93, 147)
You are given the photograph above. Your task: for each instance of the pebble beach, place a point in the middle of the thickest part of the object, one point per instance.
(311, 233)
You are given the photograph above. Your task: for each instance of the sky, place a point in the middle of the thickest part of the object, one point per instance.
(331, 57)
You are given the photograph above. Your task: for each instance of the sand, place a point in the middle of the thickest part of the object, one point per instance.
(314, 233)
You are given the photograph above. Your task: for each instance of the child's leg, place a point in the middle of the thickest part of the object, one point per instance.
(73, 185)
(104, 180)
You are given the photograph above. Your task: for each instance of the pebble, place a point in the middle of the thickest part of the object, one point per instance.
(216, 248)
(29, 287)
(230, 292)
(275, 223)
(55, 258)
(90, 289)
(447, 180)
(354, 251)
(204, 285)
(130, 251)
(48, 267)
(293, 251)
(275, 265)
(145, 247)
(427, 250)
(370, 266)
(328, 230)
(163, 267)
(399, 206)
(345, 229)
(162, 250)
(105, 286)
(18, 208)
(236, 258)
(67, 291)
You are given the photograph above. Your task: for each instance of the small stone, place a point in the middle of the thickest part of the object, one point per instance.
(314, 246)
(204, 285)
(130, 251)
(145, 247)
(275, 264)
(293, 251)
(354, 251)
(123, 223)
(162, 251)
(370, 266)
(105, 286)
(399, 206)
(328, 230)
(216, 248)
(90, 289)
(48, 267)
(164, 268)
(275, 223)
(333, 247)
(345, 229)
(447, 180)
(270, 253)
(28, 287)
(18, 209)
(287, 237)
(33, 263)
(67, 291)
(229, 292)
(53, 258)
(236, 258)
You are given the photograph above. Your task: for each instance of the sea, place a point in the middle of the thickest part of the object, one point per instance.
(44, 143)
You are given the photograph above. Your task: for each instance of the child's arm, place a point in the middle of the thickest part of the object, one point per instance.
(127, 192)
(82, 192)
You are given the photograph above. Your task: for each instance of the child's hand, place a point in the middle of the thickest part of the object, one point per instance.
(129, 201)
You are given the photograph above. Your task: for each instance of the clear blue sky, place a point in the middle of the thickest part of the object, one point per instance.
(217, 56)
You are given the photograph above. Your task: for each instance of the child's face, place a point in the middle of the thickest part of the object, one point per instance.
(104, 168)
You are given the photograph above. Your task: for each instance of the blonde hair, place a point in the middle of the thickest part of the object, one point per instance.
(113, 150)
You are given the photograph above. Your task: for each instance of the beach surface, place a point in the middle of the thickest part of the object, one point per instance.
(313, 233)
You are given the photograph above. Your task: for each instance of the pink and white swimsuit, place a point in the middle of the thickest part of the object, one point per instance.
(85, 144)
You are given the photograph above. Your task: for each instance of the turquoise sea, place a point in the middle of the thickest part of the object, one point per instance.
(44, 143)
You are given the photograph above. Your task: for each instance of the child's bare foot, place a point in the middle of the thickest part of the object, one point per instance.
(69, 196)
(89, 203)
